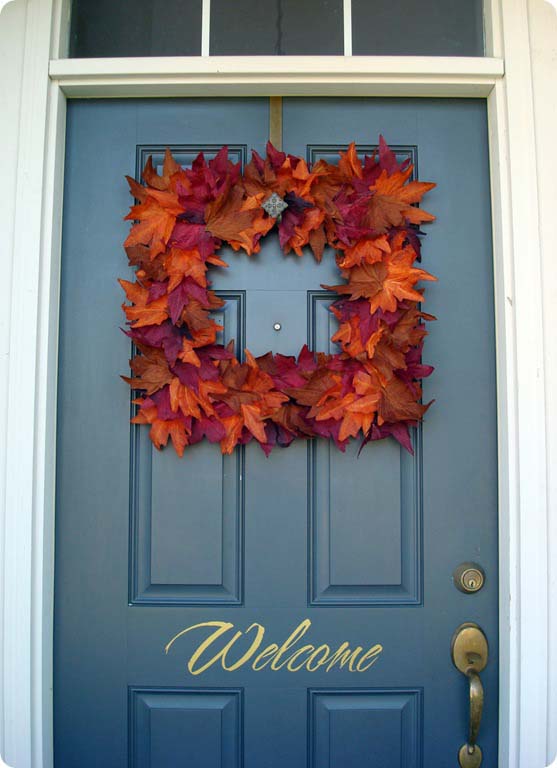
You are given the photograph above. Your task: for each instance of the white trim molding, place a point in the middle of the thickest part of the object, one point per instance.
(25, 680)
(543, 50)
(522, 424)
(517, 80)
(277, 76)
(347, 26)
(205, 27)
(12, 32)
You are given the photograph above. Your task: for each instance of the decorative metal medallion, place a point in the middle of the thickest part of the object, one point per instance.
(274, 205)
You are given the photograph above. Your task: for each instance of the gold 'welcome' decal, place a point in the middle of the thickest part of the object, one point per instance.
(221, 645)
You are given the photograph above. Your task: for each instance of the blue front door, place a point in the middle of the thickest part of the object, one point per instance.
(309, 547)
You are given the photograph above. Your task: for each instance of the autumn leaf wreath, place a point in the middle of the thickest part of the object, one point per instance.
(194, 387)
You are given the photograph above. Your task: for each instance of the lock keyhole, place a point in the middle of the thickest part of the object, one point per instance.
(469, 577)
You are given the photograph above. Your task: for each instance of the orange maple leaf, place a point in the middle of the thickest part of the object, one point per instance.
(156, 222)
(409, 331)
(364, 252)
(350, 338)
(386, 282)
(162, 429)
(398, 403)
(399, 280)
(206, 335)
(313, 219)
(322, 384)
(390, 206)
(139, 256)
(236, 220)
(190, 402)
(185, 399)
(188, 353)
(349, 164)
(359, 411)
(143, 313)
(233, 425)
(254, 422)
(169, 168)
(150, 368)
(359, 415)
(180, 263)
(334, 407)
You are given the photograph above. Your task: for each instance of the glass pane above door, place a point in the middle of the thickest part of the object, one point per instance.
(104, 28)
(408, 28)
(271, 27)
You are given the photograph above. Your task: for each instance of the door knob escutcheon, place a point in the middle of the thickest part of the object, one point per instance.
(470, 653)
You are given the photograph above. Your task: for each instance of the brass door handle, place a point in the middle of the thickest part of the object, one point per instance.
(470, 652)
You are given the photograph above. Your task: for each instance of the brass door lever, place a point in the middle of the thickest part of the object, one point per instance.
(470, 653)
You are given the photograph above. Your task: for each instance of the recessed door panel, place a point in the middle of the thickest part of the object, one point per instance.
(187, 517)
(355, 727)
(203, 726)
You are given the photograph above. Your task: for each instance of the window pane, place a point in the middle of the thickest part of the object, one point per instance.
(412, 28)
(135, 28)
(275, 27)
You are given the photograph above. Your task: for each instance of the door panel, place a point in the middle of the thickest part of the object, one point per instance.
(187, 517)
(383, 726)
(203, 726)
(148, 545)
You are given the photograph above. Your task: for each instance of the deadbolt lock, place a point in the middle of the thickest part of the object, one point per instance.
(469, 577)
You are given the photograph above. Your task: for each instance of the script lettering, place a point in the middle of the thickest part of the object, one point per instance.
(236, 649)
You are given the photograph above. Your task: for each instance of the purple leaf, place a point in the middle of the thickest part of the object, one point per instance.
(157, 290)
(180, 296)
(208, 427)
(164, 336)
(215, 352)
(387, 158)
(162, 401)
(189, 236)
(306, 360)
(276, 158)
(187, 373)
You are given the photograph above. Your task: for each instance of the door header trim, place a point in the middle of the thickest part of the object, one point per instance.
(277, 76)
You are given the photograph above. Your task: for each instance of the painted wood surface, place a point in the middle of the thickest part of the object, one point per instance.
(246, 539)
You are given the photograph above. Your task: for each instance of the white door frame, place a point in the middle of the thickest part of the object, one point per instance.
(505, 80)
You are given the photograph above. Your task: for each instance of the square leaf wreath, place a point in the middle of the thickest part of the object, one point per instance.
(194, 388)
